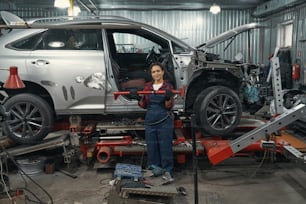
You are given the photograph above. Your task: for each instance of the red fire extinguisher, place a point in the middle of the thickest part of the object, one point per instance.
(295, 71)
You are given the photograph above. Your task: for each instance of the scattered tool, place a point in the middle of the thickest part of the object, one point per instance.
(181, 190)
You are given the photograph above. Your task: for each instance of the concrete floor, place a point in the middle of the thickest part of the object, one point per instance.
(237, 180)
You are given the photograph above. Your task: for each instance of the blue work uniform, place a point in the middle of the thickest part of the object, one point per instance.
(159, 129)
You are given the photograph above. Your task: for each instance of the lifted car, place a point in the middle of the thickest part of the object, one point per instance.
(73, 67)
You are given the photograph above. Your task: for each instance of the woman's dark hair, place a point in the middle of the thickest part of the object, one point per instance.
(156, 64)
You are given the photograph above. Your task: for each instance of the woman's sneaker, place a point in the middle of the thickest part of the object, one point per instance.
(167, 178)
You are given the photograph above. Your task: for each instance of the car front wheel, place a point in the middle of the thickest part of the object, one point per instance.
(218, 110)
(30, 118)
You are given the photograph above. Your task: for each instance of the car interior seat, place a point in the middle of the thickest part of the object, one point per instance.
(125, 83)
(168, 69)
(89, 44)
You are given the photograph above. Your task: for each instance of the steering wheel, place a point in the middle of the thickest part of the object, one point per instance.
(151, 57)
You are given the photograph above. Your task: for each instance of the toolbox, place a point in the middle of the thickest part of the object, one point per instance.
(128, 171)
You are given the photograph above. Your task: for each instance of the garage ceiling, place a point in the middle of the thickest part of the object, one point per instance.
(139, 4)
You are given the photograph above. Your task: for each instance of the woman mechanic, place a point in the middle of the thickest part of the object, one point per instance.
(158, 121)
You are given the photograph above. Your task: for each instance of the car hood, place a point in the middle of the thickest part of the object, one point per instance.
(11, 19)
(229, 34)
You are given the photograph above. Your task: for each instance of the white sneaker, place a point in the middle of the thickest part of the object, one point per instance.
(167, 178)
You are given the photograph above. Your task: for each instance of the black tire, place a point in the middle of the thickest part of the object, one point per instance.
(30, 119)
(198, 102)
(218, 110)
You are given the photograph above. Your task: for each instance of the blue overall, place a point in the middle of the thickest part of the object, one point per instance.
(159, 133)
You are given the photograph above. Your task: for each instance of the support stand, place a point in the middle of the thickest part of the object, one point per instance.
(195, 160)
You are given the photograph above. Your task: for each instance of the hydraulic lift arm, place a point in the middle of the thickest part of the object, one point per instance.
(218, 153)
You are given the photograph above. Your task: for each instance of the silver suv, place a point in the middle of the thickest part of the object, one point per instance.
(73, 67)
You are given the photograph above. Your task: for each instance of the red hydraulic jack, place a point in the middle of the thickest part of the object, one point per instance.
(107, 145)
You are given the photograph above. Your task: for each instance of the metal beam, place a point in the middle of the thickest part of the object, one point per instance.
(274, 6)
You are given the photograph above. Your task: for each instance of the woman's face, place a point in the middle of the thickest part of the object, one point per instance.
(157, 73)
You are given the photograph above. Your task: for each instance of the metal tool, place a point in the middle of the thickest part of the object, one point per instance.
(181, 92)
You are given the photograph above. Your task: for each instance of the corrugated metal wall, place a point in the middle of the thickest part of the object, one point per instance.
(27, 13)
(192, 26)
(297, 16)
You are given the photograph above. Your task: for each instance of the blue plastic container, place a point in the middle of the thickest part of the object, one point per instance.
(128, 171)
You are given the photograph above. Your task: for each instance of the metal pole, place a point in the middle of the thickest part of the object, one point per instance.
(195, 160)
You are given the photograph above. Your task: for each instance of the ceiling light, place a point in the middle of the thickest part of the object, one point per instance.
(61, 3)
(215, 9)
(76, 10)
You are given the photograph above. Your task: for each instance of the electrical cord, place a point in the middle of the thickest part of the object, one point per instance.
(33, 194)
(106, 196)
(142, 156)
(25, 174)
(24, 180)
(104, 183)
(260, 164)
(20, 169)
(143, 151)
(25, 188)
(4, 183)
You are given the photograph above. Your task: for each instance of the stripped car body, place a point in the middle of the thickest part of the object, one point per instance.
(73, 67)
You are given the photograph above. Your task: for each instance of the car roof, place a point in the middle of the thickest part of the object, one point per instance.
(14, 21)
(83, 22)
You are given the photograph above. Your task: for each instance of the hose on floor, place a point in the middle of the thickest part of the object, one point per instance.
(25, 174)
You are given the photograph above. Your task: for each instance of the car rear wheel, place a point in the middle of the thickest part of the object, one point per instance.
(30, 118)
(218, 110)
